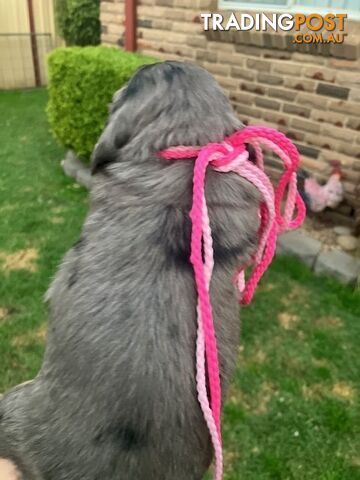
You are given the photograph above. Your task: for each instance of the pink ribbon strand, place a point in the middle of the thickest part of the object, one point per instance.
(232, 156)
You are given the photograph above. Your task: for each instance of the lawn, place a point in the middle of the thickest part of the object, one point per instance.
(293, 409)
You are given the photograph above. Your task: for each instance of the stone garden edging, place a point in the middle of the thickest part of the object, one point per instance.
(75, 168)
(335, 263)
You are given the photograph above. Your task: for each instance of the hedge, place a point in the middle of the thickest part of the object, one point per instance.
(79, 21)
(82, 81)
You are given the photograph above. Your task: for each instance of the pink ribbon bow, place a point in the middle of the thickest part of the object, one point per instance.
(231, 155)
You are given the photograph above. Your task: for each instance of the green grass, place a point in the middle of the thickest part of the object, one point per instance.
(293, 410)
(41, 212)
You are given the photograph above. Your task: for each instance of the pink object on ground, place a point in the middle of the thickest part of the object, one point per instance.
(231, 155)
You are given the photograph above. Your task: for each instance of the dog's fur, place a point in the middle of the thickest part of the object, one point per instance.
(116, 396)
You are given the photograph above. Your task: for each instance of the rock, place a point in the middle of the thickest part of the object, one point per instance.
(83, 177)
(299, 245)
(338, 264)
(347, 242)
(75, 168)
(341, 230)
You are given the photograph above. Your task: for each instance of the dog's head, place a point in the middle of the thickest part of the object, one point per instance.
(164, 104)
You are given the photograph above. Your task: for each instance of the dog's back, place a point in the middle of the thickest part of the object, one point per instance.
(116, 396)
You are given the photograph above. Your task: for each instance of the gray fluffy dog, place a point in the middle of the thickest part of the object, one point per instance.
(116, 397)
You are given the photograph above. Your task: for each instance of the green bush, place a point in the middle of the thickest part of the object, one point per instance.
(79, 21)
(62, 18)
(82, 81)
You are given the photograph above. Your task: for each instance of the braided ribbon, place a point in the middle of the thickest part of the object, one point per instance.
(232, 156)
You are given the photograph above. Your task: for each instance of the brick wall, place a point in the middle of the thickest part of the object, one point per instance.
(312, 96)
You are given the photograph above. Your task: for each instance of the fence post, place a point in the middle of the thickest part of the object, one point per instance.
(34, 48)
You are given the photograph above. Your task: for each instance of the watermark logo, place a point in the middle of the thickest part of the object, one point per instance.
(327, 28)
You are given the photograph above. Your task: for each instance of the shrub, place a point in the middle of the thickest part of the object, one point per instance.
(62, 17)
(79, 21)
(82, 81)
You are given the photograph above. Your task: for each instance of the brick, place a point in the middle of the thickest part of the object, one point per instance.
(247, 49)
(146, 11)
(299, 245)
(346, 107)
(296, 136)
(147, 2)
(217, 68)
(221, 47)
(187, 27)
(111, 7)
(348, 79)
(109, 17)
(282, 93)
(341, 65)
(276, 117)
(232, 59)
(354, 95)
(161, 24)
(181, 51)
(206, 55)
(351, 150)
(338, 264)
(246, 110)
(300, 84)
(296, 110)
(253, 88)
(312, 164)
(349, 187)
(338, 133)
(332, 91)
(322, 141)
(204, 4)
(115, 28)
(353, 123)
(227, 82)
(304, 58)
(146, 23)
(269, 79)
(305, 125)
(318, 73)
(174, 38)
(279, 42)
(345, 50)
(110, 39)
(275, 54)
(259, 65)
(267, 103)
(244, 98)
(330, 155)
(196, 41)
(287, 68)
(337, 119)
(179, 14)
(257, 38)
(312, 101)
(238, 72)
(142, 45)
(307, 151)
(158, 55)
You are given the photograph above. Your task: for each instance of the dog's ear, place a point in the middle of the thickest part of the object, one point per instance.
(103, 155)
(108, 149)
